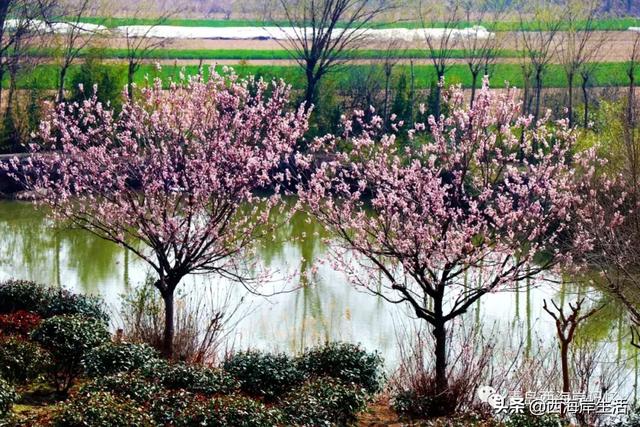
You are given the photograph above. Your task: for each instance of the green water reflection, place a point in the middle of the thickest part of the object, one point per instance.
(323, 307)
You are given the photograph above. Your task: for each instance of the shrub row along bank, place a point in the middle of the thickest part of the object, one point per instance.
(606, 74)
(61, 338)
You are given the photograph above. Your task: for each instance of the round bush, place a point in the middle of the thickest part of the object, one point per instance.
(324, 401)
(8, 396)
(195, 379)
(128, 385)
(47, 302)
(22, 361)
(69, 339)
(168, 405)
(101, 409)
(264, 374)
(111, 358)
(347, 362)
(231, 411)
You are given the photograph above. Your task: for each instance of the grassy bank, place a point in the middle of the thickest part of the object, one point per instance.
(603, 24)
(606, 74)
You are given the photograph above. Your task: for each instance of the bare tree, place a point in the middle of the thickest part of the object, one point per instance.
(440, 44)
(566, 326)
(632, 68)
(389, 61)
(18, 21)
(323, 32)
(579, 44)
(74, 39)
(139, 46)
(481, 49)
(538, 44)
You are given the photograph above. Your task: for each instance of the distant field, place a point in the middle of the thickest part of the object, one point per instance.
(604, 24)
(279, 54)
(606, 74)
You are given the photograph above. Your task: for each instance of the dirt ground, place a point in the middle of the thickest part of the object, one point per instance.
(614, 45)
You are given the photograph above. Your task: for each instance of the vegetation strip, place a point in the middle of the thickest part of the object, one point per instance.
(247, 54)
(45, 76)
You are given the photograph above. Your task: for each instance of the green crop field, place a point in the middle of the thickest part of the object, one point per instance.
(606, 74)
(276, 54)
(604, 24)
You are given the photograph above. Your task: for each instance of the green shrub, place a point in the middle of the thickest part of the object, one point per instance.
(48, 302)
(69, 339)
(264, 374)
(128, 385)
(324, 401)
(112, 358)
(231, 411)
(100, 410)
(196, 379)
(7, 397)
(109, 80)
(168, 405)
(22, 361)
(409, 402)
(347, 362)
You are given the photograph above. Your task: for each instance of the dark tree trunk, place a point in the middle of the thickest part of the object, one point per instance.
(438, 97)
(310, 96)
(538, 93)
(570, 82)
(130, 73)
(585, 97)
(564, 360)
(169, 329)
(386, 100)
(440, 353)
(474, 81)
(167, 289)
(63, 73)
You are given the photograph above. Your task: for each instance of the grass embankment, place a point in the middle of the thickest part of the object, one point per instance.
(269, 54)
(606, 74)
(602, 24)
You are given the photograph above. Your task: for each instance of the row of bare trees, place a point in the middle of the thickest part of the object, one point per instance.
(29, 24)
(327, 31)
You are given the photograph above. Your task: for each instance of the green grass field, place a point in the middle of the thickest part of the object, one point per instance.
(604, 24)
(248, 54)
(606, 74)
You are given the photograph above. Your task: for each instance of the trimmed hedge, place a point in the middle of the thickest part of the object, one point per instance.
(324, 401)
(101, 409)
(129, 385)
(264, 374)
(195, 379)
(22, 361)
(112, 358)
(346, 362)
(69, 339)
(48, 302)
(231, 411)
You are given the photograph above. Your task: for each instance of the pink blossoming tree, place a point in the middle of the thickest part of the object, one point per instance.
(483, 189)
(173, 178)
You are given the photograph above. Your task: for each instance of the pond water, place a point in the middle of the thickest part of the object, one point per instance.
(321, 306)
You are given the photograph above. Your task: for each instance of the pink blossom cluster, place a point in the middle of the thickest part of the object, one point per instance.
(174, 176)
(483, 192)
